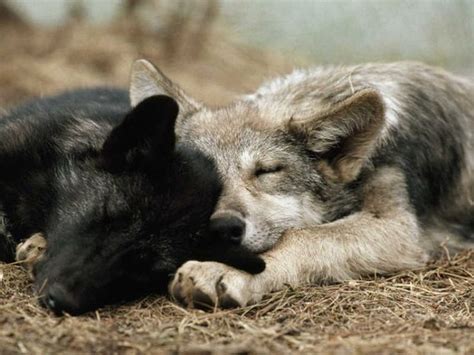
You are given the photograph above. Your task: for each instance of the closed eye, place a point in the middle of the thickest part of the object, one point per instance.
(268, 170)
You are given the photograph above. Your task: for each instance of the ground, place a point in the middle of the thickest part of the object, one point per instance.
(425, 311)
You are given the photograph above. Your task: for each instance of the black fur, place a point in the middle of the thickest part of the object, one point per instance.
(121, 205)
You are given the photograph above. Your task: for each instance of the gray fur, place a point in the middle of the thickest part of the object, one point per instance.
(428, 115)
(366, 168)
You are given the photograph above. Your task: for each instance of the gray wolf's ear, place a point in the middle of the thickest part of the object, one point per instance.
(146, 80)
(344, 136)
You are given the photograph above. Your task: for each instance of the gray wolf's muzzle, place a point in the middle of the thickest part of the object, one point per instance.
(227, 228)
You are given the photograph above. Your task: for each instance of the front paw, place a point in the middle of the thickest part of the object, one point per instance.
(30, 251)
(210, 284)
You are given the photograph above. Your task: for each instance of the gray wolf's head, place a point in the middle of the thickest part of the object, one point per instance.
(285, 160)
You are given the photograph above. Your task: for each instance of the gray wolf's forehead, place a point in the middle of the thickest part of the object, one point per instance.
(233, 132)
(233, 116)
(237, 139)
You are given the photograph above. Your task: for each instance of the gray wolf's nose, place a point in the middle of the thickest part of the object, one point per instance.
(227, 228)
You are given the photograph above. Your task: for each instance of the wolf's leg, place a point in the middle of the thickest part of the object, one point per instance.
(30, 251)
(383, 237)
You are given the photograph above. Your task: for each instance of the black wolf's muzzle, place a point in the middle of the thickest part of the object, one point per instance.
(59, 300)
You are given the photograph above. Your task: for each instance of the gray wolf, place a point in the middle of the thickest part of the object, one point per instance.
(113, 204)
(332, 173)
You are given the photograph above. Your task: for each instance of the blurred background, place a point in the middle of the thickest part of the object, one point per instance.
(217, 49)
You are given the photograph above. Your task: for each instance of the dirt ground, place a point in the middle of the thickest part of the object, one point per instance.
(427, 311)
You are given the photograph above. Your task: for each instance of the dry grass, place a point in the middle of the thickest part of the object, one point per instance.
(427, 311)
(39, 62)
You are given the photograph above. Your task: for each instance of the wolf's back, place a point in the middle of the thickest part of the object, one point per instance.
(35, 133)
(38, 134)
(428, 131)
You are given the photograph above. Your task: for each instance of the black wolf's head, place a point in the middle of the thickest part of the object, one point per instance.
(126, 216)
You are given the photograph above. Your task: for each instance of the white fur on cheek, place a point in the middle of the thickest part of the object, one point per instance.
(292, 211)
(275, 214)
(253, 240)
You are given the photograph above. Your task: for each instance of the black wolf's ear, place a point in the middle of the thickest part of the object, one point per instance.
(345, 135)
(147, 80)
(145, 138)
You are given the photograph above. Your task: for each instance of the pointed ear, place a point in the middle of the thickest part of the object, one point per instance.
(147, 80)
(345, 135)
(145, 139)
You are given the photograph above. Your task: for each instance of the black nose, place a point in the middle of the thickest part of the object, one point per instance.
(59, 300)
(227, 228)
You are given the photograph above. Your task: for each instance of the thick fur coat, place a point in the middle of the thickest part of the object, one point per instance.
(333, 173)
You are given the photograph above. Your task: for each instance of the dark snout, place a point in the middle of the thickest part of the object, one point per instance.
(60, 300)
(227, 232)
(66, 283)
(227, 228)
(82, 285)
(63, 297)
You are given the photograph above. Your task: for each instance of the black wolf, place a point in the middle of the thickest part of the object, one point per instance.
(120, 204)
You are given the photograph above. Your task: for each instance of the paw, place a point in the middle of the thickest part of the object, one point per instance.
(30, 251)
(210, 284)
